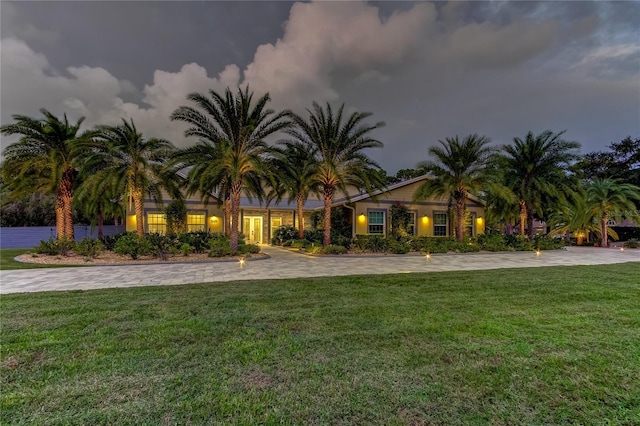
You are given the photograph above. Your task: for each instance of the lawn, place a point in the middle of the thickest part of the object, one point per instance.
(528, 346)
(7, 262)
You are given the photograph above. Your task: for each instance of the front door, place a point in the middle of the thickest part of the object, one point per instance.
(253, 229)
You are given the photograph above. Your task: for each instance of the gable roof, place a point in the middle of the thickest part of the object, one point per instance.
(393, 187)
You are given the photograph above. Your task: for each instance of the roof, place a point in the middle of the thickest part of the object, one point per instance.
(392, 187)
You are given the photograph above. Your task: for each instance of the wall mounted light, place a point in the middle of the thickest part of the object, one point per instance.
(214, 219)
(479, 220)
(361, 218)
(425, 219)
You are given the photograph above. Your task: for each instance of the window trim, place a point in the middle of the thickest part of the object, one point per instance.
(194, 213)
(384, 221)
(446, 224)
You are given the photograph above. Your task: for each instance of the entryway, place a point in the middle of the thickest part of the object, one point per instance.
(252, 229)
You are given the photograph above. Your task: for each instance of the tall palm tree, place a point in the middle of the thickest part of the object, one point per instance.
(578, 218)
(609, 199)
(232, 129)
(44, 160)
(457, 172)
(535, 170)
(339, 143)
(121, 159)
(296, 169)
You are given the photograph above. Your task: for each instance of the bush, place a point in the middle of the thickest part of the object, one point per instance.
(132, 245)
(330, 249)
(299, 244)
(199, 240)
(492, 242)
(371, 243)
(632, 243)
(249, 248)
(398, 247)
(518, 242)
(544, 242)
(284, 233)
(186, 249)
(219, 246)
(433, 244)
(315, 236)
(161, 246)
(89, 248)
(468, 245)
(53, 247)
(109, 241)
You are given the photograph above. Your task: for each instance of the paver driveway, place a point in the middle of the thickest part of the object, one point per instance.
(288, 264)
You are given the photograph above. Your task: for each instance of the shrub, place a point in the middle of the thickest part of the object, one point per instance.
(544, 242)
(89, 248)
(330, 249)
(132, 245)
(398, 247)
(53, 247)
(199, 240)
(161, 246)
(340, 240)
(315, 236)
(186, 249)
(632, 243)
(249, 248)
(219, 246)
(109, 241)
(371, 243)
(468, 245)
(284, 233)
(433, 244)
(492, 242)
(299, 243)
(518, 242)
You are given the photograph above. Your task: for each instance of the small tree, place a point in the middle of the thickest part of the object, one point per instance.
(400, 219)
(176, 213)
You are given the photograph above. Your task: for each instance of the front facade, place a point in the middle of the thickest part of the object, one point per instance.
(430, 218)
(370, 215)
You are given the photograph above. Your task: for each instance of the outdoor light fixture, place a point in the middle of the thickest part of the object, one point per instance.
(428, 256)
(241, 261)
(479, 220)
(425, 219)
(361, 218)
(537, 252)
(214, 219)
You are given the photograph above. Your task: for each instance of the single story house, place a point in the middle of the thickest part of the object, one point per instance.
(370, 214)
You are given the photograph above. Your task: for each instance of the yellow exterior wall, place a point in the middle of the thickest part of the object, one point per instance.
(424, 210)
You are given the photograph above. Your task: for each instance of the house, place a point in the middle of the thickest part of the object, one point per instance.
(370, 214)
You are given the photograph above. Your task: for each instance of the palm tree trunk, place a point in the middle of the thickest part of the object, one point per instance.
(139, 208)
(523, 215)
(300, 201)
(235, 214)
(460, 219)
(328, 198)
(59, 217)
(100, 225)
(603, 229)
(532, 234)
(227, 217)
(66, 193)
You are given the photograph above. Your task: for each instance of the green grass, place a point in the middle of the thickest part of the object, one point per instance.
(528, 346)
(7, 262)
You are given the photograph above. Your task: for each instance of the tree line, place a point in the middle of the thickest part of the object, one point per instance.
(323, 153)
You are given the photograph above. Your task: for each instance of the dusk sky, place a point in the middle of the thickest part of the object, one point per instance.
(429, 70)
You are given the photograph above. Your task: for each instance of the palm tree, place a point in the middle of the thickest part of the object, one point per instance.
(296, 171)
(608, 199)
(232, 131)
(99, 202)
(535, 170)
(121, 160)
(457, 172)
(44, 160)
(576, 217)
(338, 144)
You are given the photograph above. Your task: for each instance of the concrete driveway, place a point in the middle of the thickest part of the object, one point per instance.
(287, 264)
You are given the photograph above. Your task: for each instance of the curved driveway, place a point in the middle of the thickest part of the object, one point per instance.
(288, 264)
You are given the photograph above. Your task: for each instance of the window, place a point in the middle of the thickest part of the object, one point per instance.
(195, 221)
(411, 226)
(156, 223)
(276, 222)
(440, 224)
(376, 222)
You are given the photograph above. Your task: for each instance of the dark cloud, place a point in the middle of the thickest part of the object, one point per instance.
(430, 70)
